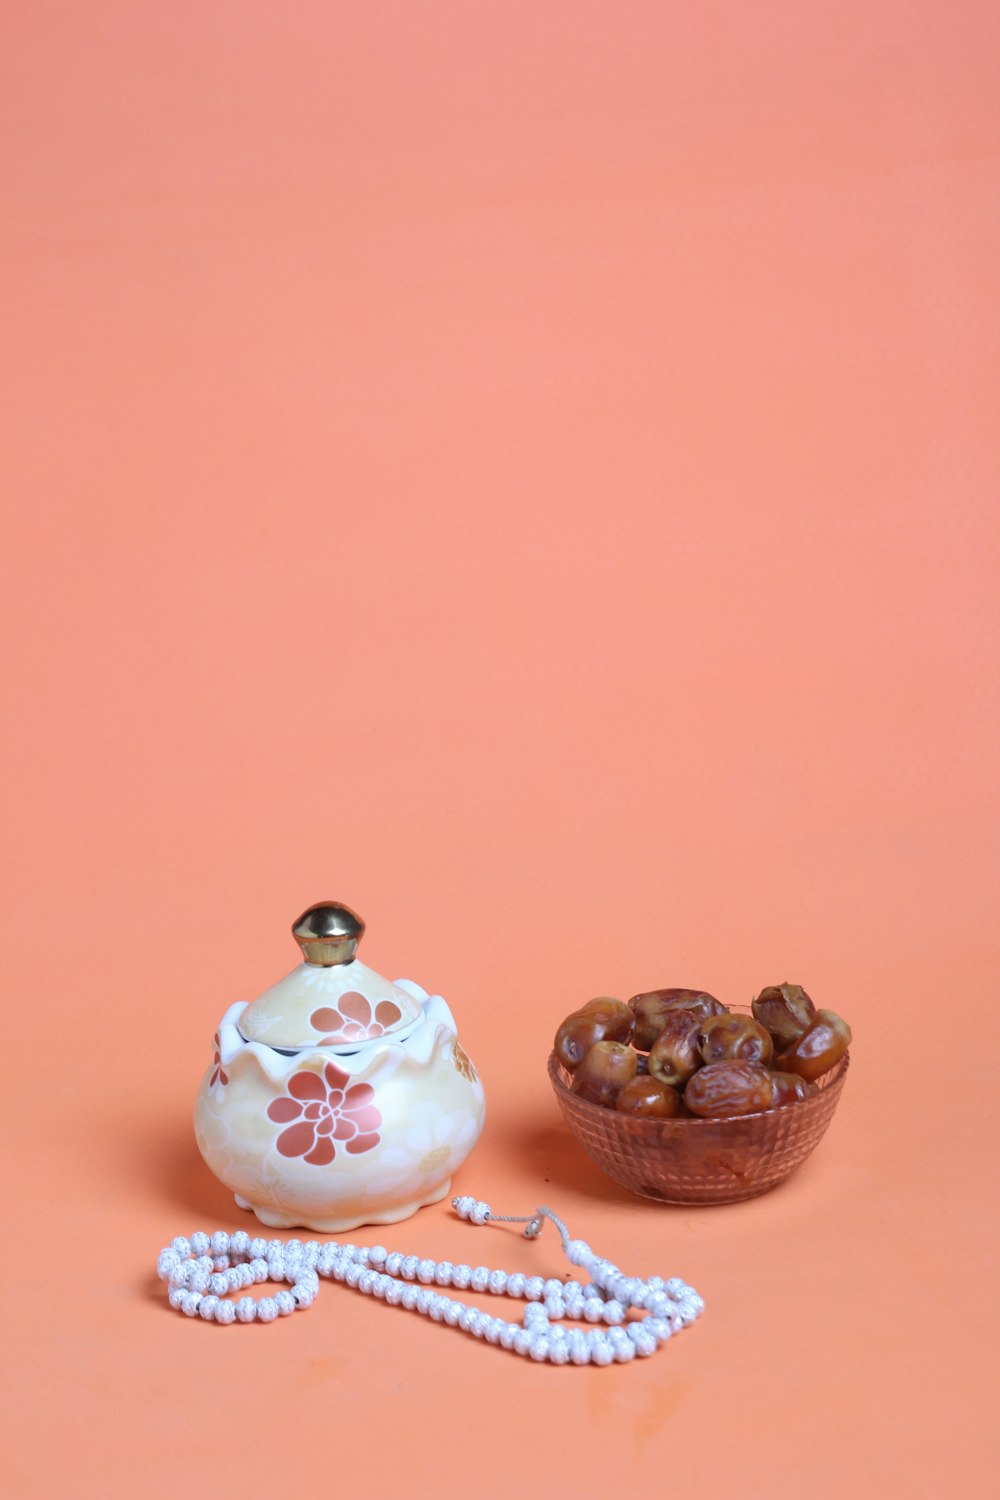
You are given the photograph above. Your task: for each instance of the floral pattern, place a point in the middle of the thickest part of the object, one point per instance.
(219, 1074)
(322, 1111)
(431, 1148)
(351, 1020)
(463, 1064)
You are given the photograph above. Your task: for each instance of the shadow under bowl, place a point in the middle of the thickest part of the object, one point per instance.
(700, 1161)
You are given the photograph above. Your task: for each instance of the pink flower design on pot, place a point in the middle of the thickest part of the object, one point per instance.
(351, 1020)
(219, 1074)
(322, 1111)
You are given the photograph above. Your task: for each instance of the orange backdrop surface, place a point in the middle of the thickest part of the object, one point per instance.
(530, 471)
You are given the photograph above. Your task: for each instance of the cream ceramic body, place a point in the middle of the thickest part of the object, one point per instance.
(327, 1138)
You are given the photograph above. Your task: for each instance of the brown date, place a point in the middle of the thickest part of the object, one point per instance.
(819, 1050)
(724, 1089)
(674, 1055)
(737, 1038)
(607, 1067)
(649, 1098)
(787, 1012)
(652, 1008)
(585, 1028)
(787, 1087)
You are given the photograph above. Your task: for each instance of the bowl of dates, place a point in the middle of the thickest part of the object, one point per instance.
(681, 1098)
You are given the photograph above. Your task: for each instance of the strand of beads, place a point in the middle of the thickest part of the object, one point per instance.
(203, 1270)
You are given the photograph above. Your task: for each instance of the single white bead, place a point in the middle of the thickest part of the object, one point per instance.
(539, 1348)
(553, 1287)
(534, 1288)
(675, 1286)
(591, 1289)
(409, 1297)
(425, 1271)
(593, 1310)
(179, 1276)
(259, 1269)
(645, 1344)
(480, 1213)
(579, 1253)
(480, 1278)
(206, 1308)
(199, 1280)
(257, 1247)
(658, 1304)
(408, 1269)
(465, 1318)
(624, 1352)
(463, 1206)
(246, 1309)
(522, 1341)
(443, 1272)
(515, 1284)
(497, 1282)
(492, 1329)
(555, 1307)
(220, 1262)
(614, 1312)
(304, 1295)
(655, 1283)
(311, 1250)
(267, 1310)
(191, 1303)
(452, 1312)
(558, 1351)
(393, 1261)
(579, 1350)
(200, 1242)
(351, 1273)
(461, 1277)
(176, 1296)
(478, 1325)
(166, 1261)
(220, 1242)
(601, 1351)
(393, 1293)
(225, 1312)
(285, 1303)
(366, 1281)
(181, 1246)
(507, 1335)
(535, 1316)
(239, 1243)
(377, 1255)
(219, 1283)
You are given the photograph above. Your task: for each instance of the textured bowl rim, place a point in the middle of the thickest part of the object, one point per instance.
(833, 1076)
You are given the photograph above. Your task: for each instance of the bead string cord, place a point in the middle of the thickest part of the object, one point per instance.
(200, 1271)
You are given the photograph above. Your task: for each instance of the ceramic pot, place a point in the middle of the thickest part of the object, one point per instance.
(337, 1098)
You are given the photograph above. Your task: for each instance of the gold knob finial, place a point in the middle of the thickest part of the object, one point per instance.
(328, 933)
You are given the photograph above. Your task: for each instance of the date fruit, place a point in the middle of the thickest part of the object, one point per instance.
(787, 1012)
(605, 1070)
(652, 1008)
(819, 1050)
(734, 1037)
(723, 1089)
(649, 1098)
(787, 1087)
(674, 1055)
(601, 1020)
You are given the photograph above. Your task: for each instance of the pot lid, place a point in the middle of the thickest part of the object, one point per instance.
(332, 999)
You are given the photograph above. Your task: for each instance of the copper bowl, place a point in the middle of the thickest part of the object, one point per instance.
(700, 1161)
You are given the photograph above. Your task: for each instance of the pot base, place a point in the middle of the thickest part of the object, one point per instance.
(274, 1219)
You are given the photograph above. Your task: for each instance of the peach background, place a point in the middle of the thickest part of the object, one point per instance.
(529, 471)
